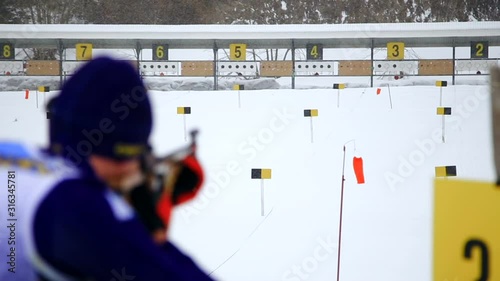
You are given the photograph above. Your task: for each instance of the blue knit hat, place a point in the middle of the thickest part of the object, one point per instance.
(102, 109)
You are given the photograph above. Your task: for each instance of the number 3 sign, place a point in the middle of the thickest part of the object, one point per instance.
(395, 50)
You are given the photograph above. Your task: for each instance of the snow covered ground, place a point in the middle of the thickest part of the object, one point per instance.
(387, 222)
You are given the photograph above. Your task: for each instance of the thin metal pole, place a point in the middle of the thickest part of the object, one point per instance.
(453, 76)
(293, 64)
(216, 86)
(239, 99)
(138, 49)
(340, 222)
(61, 51)
(372, 56)
(262, 197)
(338, 98)
(185, 127)
(312, 134)
(390, 97)
(443, 129)
(440, 96)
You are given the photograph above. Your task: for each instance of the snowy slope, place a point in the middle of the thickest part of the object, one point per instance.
(387, 222)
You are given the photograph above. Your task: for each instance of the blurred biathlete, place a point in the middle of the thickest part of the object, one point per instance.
(95, 205)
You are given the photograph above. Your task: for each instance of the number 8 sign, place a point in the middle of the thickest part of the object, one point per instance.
(7, 51)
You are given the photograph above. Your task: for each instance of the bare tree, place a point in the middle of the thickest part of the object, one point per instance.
(45, 12)
(7, 12)
(484, 9)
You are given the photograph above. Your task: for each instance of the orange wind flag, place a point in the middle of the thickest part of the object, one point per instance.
(358, 169)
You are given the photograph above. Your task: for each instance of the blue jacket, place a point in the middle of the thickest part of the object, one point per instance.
(81, 230)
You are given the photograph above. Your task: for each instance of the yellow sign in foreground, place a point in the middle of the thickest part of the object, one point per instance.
(466, 230)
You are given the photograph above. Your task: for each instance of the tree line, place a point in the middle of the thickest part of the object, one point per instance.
(240, 12)
(245, 11)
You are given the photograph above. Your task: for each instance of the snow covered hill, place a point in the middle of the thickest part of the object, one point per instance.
(387, 222)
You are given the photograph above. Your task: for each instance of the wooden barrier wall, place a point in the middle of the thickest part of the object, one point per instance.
(43, 67)
(267, 68)
(435, 67)
(355, 68)
(197, 68)
(276, 68)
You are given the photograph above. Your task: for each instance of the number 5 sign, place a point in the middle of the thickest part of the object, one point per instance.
(83, 51)
(466, 230)
(238, 51)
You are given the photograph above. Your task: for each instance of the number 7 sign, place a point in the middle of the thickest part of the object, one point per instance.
(83, 51)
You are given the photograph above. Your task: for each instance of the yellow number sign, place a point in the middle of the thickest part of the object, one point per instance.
(466, 230)
(83, 51)
(238, 51)
(479, 50)
(160, 51)
(395, 50)
(7, 51)
(314, 51)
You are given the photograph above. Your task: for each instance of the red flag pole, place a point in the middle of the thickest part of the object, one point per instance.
(342, 207)
(340, 221)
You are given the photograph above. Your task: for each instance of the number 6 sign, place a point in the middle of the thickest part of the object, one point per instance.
(160, 51)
